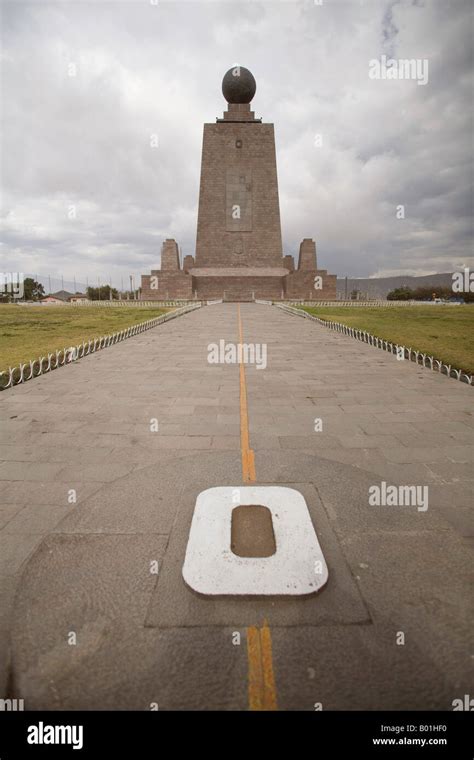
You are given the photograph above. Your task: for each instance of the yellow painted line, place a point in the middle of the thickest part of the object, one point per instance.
(255, 669)
(248, 459)
(261, 680)
(269, 687)
(262, 689)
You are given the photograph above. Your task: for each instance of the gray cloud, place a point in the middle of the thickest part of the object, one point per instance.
(83, 142)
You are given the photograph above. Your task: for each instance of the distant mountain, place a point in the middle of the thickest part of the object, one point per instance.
(378, 287)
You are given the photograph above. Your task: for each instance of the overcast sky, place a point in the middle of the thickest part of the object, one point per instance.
(82, 144)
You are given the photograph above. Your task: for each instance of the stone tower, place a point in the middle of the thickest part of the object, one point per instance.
(239, 253)
(239, 214)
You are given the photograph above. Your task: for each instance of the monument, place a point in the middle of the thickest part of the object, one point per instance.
(239, 254)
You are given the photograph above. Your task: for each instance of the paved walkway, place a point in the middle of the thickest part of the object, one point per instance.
(92, 497)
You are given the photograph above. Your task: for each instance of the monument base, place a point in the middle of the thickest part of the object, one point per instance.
(238, 283)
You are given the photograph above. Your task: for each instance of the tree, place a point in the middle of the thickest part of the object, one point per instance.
(32, 290)
(102, 293)
(400, 294)
(430, 292)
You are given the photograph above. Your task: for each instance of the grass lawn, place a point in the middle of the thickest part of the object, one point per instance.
(28, 332)
(445, 332)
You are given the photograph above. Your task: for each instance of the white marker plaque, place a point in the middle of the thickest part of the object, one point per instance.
(210, 567)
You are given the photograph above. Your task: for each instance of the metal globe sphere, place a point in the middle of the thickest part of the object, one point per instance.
(239, 85)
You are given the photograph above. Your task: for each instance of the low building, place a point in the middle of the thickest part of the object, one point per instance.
(63, 296)
(79, 298)
(60, 297)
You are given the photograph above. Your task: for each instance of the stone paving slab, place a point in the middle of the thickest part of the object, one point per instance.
(173, 604)
(321, 669)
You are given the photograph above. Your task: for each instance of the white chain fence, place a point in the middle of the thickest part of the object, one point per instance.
(133, 304)
(408, 353)
(377, 303)
(114, 304)
(36, 367)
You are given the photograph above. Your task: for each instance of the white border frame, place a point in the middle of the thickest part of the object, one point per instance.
(210, 567)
